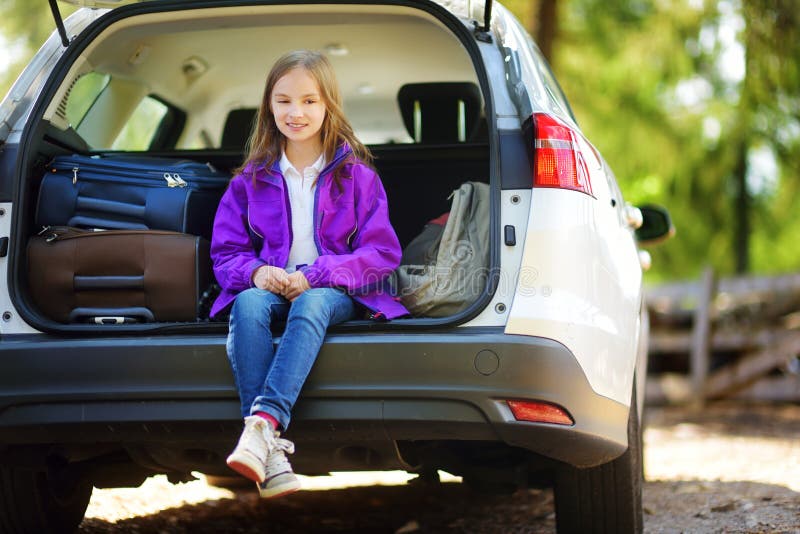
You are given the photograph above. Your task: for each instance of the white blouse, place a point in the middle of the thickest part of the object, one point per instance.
(301, 199)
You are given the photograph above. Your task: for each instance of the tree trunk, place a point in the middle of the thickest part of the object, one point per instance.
(741, 238)
(546, 27)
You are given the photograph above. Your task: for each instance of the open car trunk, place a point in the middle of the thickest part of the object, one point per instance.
(185, 85)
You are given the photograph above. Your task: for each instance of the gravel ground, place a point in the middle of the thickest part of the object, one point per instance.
(730, 468)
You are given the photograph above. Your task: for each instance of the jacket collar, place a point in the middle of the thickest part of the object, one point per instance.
(342, 152)
(317, 166)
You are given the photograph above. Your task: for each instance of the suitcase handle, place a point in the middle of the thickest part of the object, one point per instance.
(111, 315)
(85, 283)
(83, 203)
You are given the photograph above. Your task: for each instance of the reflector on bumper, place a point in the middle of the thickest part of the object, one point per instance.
(539, 412)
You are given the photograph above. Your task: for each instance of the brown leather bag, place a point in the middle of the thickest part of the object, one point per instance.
(117, 276)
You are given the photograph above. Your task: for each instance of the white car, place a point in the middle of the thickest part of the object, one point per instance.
(536, 381)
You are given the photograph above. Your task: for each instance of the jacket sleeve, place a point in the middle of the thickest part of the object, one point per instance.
(232, 251)
(375, 248)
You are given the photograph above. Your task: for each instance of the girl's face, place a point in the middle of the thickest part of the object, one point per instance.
(297, 106)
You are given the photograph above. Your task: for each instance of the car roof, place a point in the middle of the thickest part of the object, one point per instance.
(455, 6)
(475, 9)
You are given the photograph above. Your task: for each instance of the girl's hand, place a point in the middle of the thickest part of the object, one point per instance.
(273, 279)
(297, 283)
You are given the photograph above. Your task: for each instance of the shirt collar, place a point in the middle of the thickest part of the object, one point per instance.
(285, 164)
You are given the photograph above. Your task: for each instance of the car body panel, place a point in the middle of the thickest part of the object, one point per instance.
(515, 206)
(581, 290)
(10, 321)
(422, 387)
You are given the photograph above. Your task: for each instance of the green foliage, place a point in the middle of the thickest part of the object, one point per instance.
(83, 94)
(138, 132)
(26, 24)
(620, 63)
(656, 87)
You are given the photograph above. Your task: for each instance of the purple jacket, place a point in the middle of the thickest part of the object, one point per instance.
(358, 248)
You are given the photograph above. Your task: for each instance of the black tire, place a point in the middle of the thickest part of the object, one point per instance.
(606, 498)
(31, 503)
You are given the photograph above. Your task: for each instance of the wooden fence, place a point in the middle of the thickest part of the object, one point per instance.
(729, 338)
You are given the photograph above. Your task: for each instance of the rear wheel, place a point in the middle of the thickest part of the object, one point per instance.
(606, 498)
(32, 502)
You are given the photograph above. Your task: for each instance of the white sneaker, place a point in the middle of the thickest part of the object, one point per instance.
(249, 458)
(279, 478)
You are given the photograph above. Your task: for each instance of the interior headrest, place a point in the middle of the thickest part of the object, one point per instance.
(237, 128)
(440, 112)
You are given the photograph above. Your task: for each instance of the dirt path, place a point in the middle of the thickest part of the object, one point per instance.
(728, 469)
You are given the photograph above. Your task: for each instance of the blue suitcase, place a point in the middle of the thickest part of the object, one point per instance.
(130, 193)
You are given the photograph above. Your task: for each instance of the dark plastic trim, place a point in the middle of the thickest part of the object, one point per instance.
(510, 235)
(170, 128)
(515, 160)
(59, 20)
(8, 161)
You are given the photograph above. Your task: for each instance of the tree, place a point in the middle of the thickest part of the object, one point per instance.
(26, 25)
(540, 18)
(768, 117)
(694, 103)
(546, 27)
(622, 64)
(683, 98)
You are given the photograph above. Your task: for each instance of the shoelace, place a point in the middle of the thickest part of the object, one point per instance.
(277, 462)
(284, 445)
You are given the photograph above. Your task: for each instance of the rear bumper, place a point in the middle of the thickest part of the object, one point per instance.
(374, 387)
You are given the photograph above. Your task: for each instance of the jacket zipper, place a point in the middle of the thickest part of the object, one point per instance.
(318, 220)
(288, 205)
(352, 234)
(251, 224)
(317, 216)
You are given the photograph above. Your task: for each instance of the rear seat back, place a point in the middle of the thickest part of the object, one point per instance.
(441, 112)
(419, 179)
(413, 175)
(238, 126)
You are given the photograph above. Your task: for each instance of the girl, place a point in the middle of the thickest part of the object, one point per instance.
(301, 234)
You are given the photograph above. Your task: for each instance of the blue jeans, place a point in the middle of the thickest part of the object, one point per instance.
(270, 380)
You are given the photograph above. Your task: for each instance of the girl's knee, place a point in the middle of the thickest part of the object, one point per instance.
(316, 293)
(313, 301)
(319, 296)
(253, 303)
(246, 300)
(325, 304)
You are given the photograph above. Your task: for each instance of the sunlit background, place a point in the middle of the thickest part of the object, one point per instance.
(694, 103)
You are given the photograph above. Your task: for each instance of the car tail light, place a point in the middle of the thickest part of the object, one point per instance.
(539, 412)
(557, 158)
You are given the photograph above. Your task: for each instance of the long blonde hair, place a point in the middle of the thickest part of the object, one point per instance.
(266, 142)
